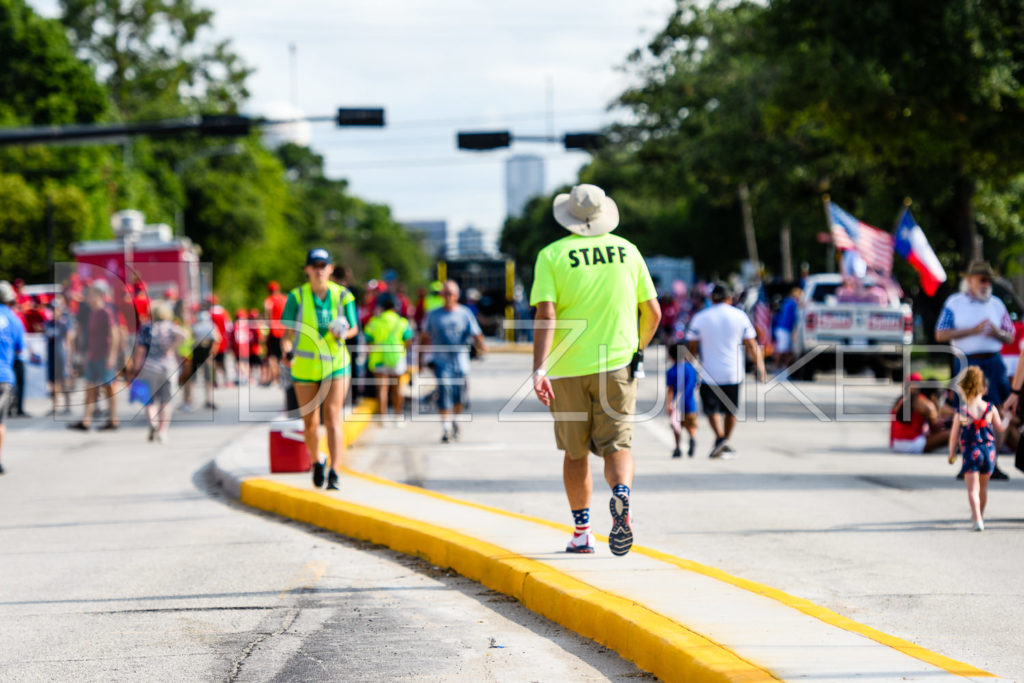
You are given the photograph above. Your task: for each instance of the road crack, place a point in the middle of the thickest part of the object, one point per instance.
(286, 623)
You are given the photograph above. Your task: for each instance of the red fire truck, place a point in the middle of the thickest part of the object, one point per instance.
(168, 267)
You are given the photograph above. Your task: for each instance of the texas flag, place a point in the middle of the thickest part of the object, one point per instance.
(913, 246)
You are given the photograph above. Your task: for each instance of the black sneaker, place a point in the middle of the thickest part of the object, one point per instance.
(677, 453)
(80, 426)
(332, 480)
(620, 538)
(998, 474)
(716, 452)
(318, 473)
(445, 438)
(693, 448)
(1, 469)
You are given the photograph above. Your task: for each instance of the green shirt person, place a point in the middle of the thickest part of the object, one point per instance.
(319, 316)
(388, 335)
(597, 309)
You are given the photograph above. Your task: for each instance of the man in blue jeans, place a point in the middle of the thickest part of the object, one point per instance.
(12, 342)
(978, 324)
(448, 331)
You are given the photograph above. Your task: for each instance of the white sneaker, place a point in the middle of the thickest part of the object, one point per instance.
(581, 543)
(979, 525)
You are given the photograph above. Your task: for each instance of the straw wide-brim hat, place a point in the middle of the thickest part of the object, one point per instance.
(586, 210)
(980, 268)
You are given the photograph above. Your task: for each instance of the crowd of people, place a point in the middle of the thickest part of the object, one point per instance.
(326, 336)
(102, 338)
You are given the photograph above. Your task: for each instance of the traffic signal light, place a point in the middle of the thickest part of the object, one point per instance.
(488, 140)
(373, 116)
(225, 124)
(589, 141)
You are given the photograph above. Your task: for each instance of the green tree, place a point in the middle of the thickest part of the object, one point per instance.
(927, 93)
(52, 196)
(152, 58)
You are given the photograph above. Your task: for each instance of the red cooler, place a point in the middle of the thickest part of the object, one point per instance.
(288, 447)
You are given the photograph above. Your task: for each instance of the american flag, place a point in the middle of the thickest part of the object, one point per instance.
(762, 316)
(874, 246)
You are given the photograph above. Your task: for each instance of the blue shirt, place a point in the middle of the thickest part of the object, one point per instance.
(685, 390)
(451, 328)
(785, 319)
(12, 342)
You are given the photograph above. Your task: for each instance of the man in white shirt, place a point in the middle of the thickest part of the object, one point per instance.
(719, 334)
(978, 324)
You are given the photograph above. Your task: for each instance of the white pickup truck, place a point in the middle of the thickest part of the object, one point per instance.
(869, 326)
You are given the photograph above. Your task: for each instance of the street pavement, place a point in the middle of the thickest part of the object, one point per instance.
(119, 561)
(815, 504)
(115, 564)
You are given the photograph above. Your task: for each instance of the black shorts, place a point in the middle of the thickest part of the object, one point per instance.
(274, 347)
(722, 398)
(200, 354)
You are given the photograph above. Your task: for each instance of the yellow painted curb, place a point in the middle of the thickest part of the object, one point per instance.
(654, 642)
(807, 607)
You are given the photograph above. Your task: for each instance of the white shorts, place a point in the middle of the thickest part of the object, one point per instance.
(783, 341)
(909, 445)
(396, 371)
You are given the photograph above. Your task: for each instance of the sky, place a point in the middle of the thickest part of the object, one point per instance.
(436, 68)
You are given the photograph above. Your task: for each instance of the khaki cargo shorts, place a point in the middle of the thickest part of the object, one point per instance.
(604, 422)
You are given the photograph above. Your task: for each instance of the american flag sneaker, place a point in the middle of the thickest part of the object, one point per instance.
(620, 538)
(582, 541)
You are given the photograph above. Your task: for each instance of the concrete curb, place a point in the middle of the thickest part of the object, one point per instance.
(652, 641)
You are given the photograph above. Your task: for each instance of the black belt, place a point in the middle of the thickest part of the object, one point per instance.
(982, 356)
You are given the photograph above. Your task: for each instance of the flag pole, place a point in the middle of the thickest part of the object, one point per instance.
(831, 258)
(907, 201)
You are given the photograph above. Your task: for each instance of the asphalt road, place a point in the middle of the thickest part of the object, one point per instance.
(814, 505)
(117, 562)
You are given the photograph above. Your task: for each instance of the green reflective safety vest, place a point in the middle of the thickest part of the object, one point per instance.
(318, 356)
(387, 333)
(432, 302)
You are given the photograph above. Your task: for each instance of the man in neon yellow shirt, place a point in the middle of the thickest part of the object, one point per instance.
(389, 336)
(590, 288)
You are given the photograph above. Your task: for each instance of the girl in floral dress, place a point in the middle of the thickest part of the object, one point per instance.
(974, 433)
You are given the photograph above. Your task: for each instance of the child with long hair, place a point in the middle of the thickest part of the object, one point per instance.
(973, 434)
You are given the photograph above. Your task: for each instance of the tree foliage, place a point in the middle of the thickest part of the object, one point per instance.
(253, 212)
(870, 101)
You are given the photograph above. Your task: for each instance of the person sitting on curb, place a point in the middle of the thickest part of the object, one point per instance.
(923, 426)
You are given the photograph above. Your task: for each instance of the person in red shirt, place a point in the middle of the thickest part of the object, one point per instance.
(222, 321)
(240, 346)
(101, 355)
(273, 307)
(255, 340)
(921, 428)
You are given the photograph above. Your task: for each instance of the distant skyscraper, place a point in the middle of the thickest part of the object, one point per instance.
(434, 235)
(524, 179)
(471, 242)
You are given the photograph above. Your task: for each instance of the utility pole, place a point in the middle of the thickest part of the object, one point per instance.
(748, 227)
(785, 244)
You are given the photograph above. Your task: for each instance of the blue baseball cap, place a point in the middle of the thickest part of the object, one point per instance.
(317, 255)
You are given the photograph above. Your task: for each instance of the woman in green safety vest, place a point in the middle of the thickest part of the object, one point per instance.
(388, 335)
(319, 316)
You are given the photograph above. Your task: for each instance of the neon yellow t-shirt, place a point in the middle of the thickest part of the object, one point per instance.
(596, 284)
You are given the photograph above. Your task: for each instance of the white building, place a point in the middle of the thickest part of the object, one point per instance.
(524, 179)
(471, 242)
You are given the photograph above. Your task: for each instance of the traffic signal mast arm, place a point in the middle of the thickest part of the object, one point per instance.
(484, 140)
